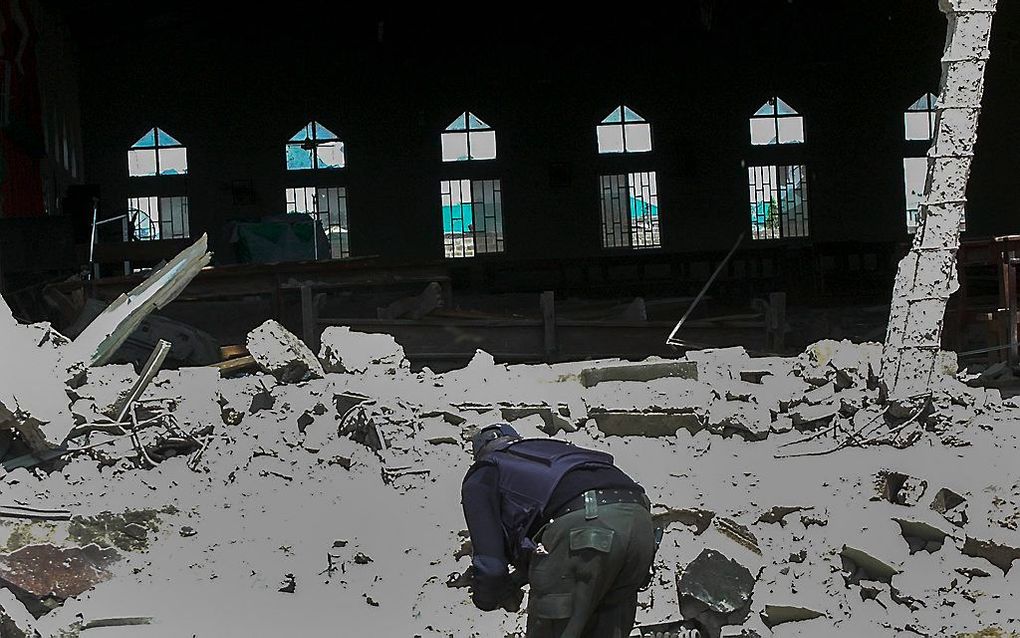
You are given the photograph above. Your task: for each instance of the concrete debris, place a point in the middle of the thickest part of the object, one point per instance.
(998, 554)
(639, 372)
(715, 591)
(281, 354)
(812, 417)
(773, 615)
(754, 376)
(951, 505)
(927, 275)
(779, 513)
(699, 519)
(554, 421)
(737, 533)
(921, 536)
(859, 565)
(346, 351)
(901, 489)
(43, 576)
(749, 421)
(657, 423)
(101, 339)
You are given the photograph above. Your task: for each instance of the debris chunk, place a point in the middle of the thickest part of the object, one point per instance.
(43, 576)
(951, 505)
(779, 513)
(860, 565)
(641, 372)
(344, 350)
(774, 615)
(281, 354)
(998, 554)
(715, 591)
(921, 536)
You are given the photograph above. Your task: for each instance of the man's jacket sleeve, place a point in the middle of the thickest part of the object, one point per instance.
(480, 499)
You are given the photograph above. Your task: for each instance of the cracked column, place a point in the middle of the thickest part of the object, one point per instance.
(927, 274)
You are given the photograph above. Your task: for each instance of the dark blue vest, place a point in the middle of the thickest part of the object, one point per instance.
(529, 471)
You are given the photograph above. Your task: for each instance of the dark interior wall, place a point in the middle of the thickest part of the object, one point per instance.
(234, 86)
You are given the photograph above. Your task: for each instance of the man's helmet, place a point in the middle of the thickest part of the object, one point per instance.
(481, 443)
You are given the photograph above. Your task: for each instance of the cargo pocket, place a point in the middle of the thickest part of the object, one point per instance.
(552, 606)
(599, 539)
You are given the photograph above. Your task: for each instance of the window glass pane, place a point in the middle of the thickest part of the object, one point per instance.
(915, 124)
(455, 148)
(304, 134)
(782, 108)
(298, 158)
(143, 215)
(791, 130)
(323, 133)
(614, 117)
(458, 124)
(146, 141)
(330, 155)
(631, 116)
(765, 109)
(476, 124)
(483, 145)
(610, 138)
(165, 139)
(763, 130)
(639, 137)
(141, 162)
(173, 161)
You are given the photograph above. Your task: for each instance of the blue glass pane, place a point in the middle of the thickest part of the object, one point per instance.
(924, 103)
(631, 116)
(457, 218)
(304, 134)
(615, 117)
(782, 108)
(640, 208)
(147, 141)
(476, 124)
(298, 158)
(766, 109)
(459, 124)
(165, 139)
(323, 133)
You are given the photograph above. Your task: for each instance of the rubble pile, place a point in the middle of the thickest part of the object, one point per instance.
(321, 491)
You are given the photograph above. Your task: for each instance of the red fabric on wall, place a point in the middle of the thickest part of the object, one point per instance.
(21, 138)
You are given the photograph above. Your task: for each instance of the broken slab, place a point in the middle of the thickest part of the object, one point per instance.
(715, 591)
(998, 554)
(97, 343)
(921, 536)
(738, 533)
(749, 421)
(779, 513)
(43, 576)
(640, 372)
(651, 423)
(774, 615)
(699, 519)
(346, 351)
(554, 421)
(951, 506)
(860, 565)
(901, 489)
(812, 417)
(281, 354)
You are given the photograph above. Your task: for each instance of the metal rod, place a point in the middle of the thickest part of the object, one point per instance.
(670, 340)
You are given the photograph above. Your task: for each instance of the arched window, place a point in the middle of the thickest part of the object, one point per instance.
(471, 205)
(919, 119)
(776, 123)
(158, 155)
(315, 147)
(629, 200)
(468, 138)
(777, 192)
(918, 132)
(624, 131)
